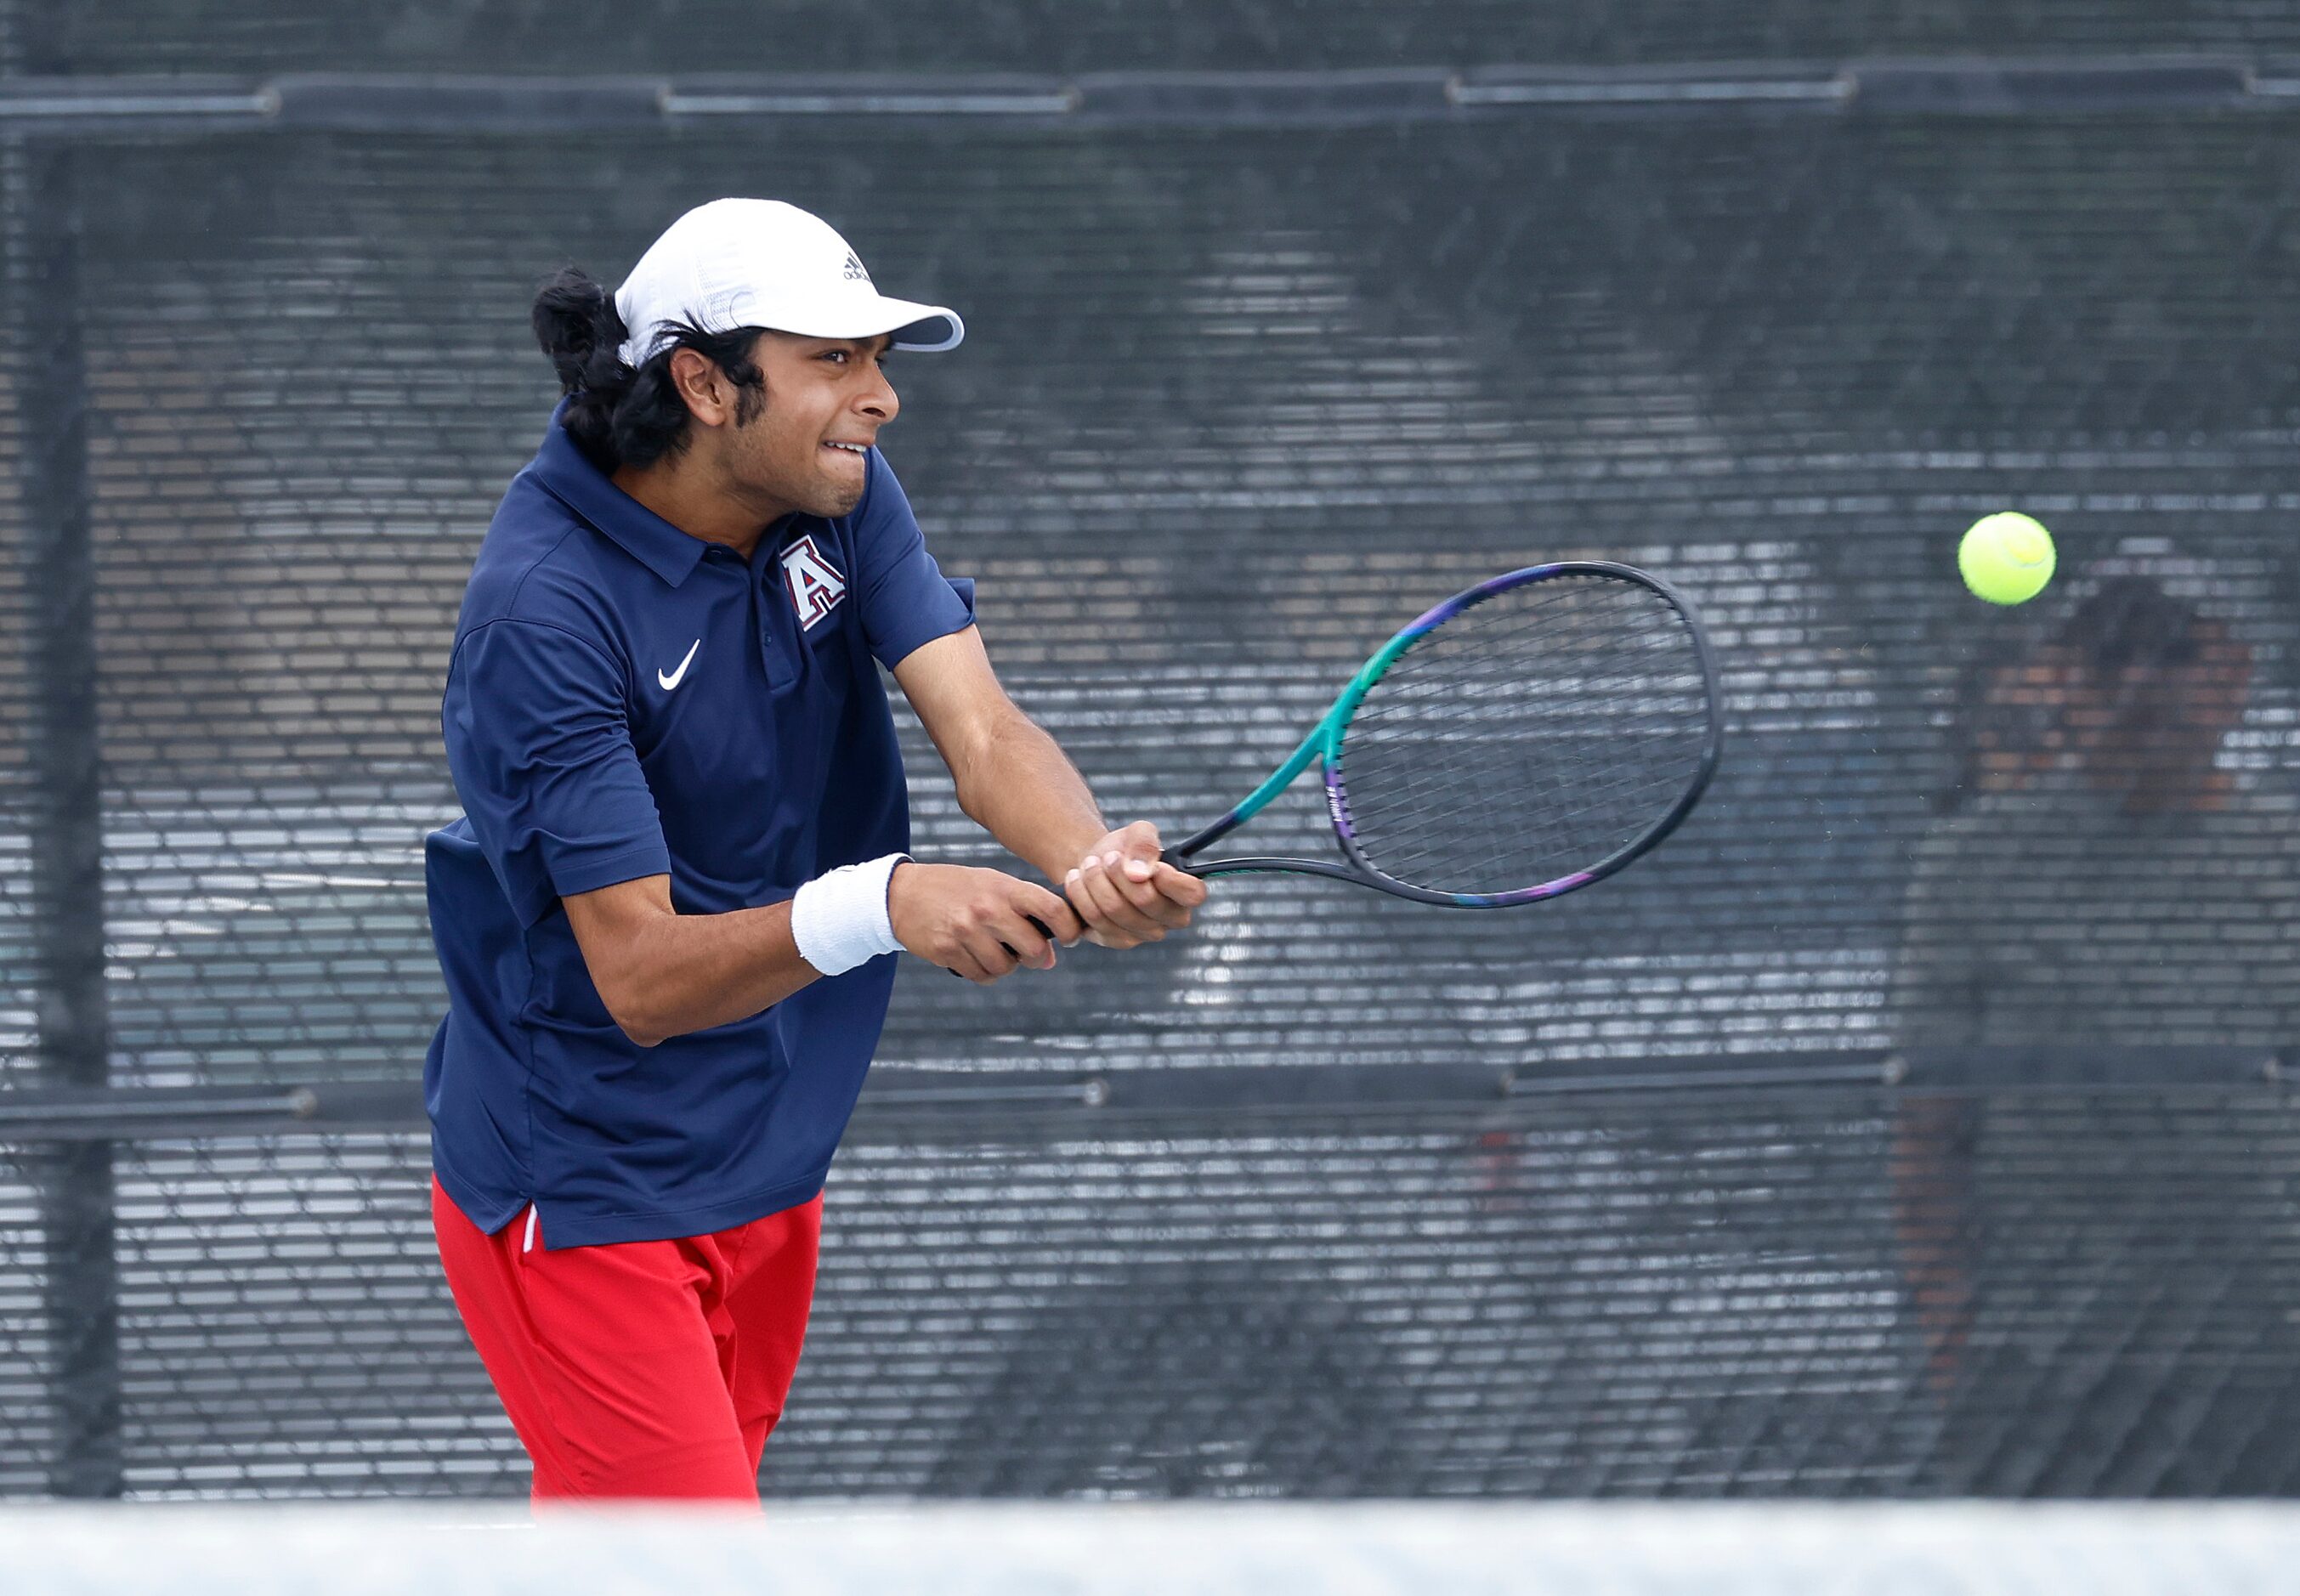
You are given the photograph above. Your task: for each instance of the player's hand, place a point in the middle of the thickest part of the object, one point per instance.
(1126, 895)
(976, 922)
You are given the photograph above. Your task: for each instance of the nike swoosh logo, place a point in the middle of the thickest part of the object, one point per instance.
(673, 678)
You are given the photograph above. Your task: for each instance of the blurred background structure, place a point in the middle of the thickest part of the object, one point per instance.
(1915, 1123)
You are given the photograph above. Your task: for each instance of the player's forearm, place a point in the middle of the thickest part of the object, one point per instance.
(1024, 790)
(691, 972)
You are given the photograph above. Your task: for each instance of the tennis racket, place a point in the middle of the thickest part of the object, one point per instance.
(1524, 738)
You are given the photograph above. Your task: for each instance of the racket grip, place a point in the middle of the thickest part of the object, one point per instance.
(1042, 928)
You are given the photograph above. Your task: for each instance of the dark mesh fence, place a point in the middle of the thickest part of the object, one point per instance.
(1912, 1122)
(1680, 1293)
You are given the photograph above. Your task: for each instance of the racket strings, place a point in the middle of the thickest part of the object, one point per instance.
(1545, 813)
(1527, 737)
(1506, 815)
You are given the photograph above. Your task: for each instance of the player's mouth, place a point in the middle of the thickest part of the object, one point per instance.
(839, 447)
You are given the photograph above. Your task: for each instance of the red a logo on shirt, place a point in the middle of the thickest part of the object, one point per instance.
(815, 585)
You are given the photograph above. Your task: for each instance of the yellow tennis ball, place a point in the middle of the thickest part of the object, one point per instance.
(2006, 558)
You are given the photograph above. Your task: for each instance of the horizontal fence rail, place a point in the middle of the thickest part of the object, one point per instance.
(385, 102)
(963, 1104)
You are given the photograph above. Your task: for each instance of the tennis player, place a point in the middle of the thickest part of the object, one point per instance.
(2097, 880)
(668, 914)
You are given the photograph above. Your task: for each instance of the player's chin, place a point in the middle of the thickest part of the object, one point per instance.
(840, 480)
(832, 500)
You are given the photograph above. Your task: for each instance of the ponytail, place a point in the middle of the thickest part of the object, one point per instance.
(615, 415)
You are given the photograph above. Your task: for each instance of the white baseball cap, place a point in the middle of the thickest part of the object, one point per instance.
(749, 263)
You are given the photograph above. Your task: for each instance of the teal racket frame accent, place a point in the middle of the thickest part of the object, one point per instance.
(1323, 748)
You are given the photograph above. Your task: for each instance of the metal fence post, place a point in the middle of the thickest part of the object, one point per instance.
(65, 817)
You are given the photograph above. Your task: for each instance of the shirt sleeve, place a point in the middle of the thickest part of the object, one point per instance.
(906, 600)
(541, 754)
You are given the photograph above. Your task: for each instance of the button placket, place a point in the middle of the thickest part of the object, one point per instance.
(766, 615)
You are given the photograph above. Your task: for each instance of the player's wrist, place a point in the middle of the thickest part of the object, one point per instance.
(844, 917)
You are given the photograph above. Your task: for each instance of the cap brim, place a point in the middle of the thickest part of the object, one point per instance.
(935, 330)
(927, 328)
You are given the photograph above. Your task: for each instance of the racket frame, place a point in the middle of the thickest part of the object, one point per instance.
(1323, 747)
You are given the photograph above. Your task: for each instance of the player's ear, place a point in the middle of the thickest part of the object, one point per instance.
(701, 386)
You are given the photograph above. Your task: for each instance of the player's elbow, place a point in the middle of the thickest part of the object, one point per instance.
(627, 993)
(970, 765)
(980, 765)
(641, 1034)
(631, 1015)
(620, 930)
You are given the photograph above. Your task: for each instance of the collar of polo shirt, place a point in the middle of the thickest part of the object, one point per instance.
(575, 482)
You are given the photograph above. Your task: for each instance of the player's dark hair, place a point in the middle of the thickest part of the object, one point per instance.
(2126, 620)
(618, 416)
(2129, 620)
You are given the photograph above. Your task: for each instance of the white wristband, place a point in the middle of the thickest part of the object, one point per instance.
(840, 918)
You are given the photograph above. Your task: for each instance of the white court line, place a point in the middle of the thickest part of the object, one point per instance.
(1158, 1549)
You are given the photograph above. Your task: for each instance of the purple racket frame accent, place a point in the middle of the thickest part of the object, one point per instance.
(1324, 745)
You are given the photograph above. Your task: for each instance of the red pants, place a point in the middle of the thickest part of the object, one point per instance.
(651, 1369)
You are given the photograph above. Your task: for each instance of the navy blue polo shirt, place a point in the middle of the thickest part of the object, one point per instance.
(625, 699)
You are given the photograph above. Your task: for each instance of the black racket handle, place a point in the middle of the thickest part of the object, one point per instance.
(1036, 922)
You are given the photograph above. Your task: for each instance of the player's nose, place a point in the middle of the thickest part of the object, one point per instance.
(879, 402)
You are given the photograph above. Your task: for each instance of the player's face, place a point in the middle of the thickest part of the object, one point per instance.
(2152, 729)
(2167, 717)
(826, 400)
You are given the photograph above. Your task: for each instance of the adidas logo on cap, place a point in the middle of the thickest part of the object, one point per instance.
(854, 273)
